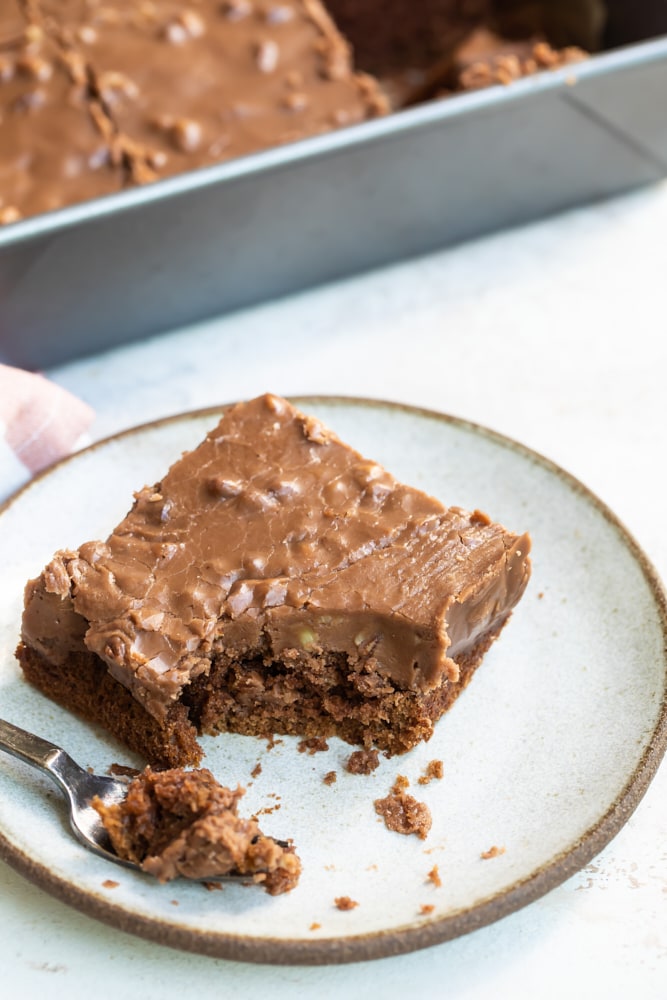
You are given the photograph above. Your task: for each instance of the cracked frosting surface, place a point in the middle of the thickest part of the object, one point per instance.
(274, 536)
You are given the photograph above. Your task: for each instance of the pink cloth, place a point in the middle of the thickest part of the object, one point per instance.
(39, 423)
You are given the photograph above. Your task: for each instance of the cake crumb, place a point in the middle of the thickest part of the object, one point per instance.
(174, 902)
(434, 876)
(315, 744)
(212, 886)
(404, 814)
(426, 908)
(272, 741)
(256, 771)
(434, 770)
(362, 762)
(330, 778)
(109, 883)
(315, 926)
(266, 810)
(493, 852)
(400, 784)
(345, 903)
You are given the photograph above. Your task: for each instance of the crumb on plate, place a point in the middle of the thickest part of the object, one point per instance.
(314, 744)
(404, 814)
(434, 876)
(345, 903)
(434, 770)
(493, 852)
(362, 762)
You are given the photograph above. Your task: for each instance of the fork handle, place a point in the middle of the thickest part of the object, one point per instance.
(26, 746)
(38, 752)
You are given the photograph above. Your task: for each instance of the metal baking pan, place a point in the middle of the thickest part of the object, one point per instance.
(95, 275)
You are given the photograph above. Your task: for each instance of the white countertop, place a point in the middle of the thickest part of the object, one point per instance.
(554, 335)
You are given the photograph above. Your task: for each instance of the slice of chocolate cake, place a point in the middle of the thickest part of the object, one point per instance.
(274, 582)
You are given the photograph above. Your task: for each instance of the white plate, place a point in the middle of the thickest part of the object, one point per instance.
(545, 755)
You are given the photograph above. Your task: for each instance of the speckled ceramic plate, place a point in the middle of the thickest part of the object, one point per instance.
(545, 755)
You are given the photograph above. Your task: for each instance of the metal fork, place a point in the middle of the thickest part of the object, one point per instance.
(80, 787)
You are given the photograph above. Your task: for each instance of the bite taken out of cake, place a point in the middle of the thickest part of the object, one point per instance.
(274, 581)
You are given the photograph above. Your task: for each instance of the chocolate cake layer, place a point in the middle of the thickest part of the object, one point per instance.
(275, 581)
(405, 44)
(418, 51)
(562, 23)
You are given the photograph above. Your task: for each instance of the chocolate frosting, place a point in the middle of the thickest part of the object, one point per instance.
(96, 95)
(52, 152)
(274, 536)
(191, 84)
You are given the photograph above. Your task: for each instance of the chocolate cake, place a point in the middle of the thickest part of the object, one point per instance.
(274, 581)
(169, 87)
(100, 95)
(402, 813)
(404, 45)
(184, 823)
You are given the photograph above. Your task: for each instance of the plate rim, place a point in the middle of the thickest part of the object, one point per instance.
(415, 936)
